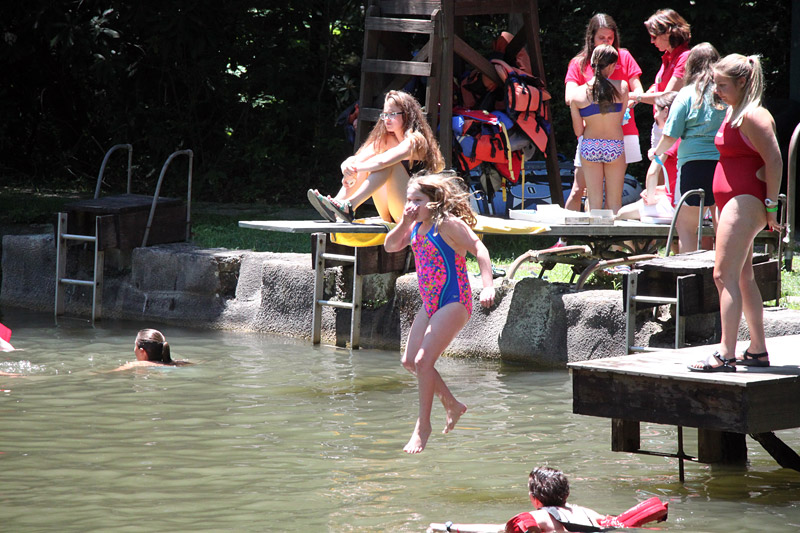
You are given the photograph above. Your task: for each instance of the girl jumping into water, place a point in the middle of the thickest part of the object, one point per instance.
(437, 221)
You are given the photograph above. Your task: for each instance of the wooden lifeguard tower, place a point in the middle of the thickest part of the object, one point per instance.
(388, 63)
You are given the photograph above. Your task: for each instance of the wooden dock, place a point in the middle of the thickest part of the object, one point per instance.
(657, 387)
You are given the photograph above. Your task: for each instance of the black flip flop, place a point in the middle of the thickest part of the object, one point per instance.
(753, 359)
(726, 366)
(314, 199)
(338, 208)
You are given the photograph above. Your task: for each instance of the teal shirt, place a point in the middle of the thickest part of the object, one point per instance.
(695, 127)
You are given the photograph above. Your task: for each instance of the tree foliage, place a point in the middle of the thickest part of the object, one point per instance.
(254, 88)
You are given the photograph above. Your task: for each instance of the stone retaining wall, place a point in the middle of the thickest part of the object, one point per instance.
(532, 322)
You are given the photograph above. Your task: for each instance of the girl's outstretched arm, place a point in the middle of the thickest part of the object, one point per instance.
(462, 239)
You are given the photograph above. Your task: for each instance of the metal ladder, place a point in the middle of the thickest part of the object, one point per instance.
(632, 297)
(96, 283)
(319, 281)
(63, 238)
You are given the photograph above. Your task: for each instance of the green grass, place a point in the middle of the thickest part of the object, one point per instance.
(216, 226)
(223, 231)
(20, 206)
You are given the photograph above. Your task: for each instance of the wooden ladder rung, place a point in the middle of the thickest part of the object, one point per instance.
(399, 25)
(406, 7)
(389, 66)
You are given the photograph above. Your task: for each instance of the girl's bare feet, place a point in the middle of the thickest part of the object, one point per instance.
(453, 415)
(418, 440)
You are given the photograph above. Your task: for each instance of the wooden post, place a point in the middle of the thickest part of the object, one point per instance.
(531, 21)
(720, 447)
(446, 84)
(625, 436)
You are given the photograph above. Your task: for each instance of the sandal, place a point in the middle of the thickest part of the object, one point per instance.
(725, 365)
(753, 359)
(315, 199)
(342, 209)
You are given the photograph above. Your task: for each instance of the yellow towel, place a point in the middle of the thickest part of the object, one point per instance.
(500, 226)
(361, 240)
(486, 225)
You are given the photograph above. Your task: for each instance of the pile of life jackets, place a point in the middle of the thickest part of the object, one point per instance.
(499, 124)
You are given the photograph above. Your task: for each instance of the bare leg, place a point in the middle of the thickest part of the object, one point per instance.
(615, 181)
(437, 334)
(392, 181)
(573, 203)
(630, 211)
(687, 228)
(453, 407)
(593, 173)
(740, 221)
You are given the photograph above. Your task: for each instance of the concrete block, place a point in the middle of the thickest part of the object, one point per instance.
(29, 271)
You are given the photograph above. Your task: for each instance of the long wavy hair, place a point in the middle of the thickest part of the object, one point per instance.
(597, 22)
(737, 66)
(603, 91)
(700, 71)
(448, 197)
(424, 143)
(669, 21)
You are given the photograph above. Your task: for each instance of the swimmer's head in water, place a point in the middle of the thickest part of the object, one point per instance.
(155, 345)
(549, 486)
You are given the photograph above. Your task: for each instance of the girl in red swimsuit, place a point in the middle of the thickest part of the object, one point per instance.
(747, 179)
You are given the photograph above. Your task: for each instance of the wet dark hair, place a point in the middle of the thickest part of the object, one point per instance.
(603, 91)
(155, 346)
(549, 486)
(597, 22)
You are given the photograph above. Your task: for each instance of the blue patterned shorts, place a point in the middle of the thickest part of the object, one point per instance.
(601, 150)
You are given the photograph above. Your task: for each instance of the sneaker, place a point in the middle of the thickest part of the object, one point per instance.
(315, 199)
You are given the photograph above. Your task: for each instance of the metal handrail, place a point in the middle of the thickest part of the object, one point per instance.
(158, 190)
(105, 161)
(790, 198)
(683, 199)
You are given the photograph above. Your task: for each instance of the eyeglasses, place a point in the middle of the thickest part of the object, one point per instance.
(384, 116)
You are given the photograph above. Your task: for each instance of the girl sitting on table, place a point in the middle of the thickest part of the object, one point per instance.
(400, 145)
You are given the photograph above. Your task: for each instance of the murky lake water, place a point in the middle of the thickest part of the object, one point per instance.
(272, 434)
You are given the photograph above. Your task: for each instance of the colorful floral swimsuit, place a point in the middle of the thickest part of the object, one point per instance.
(441, 272)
